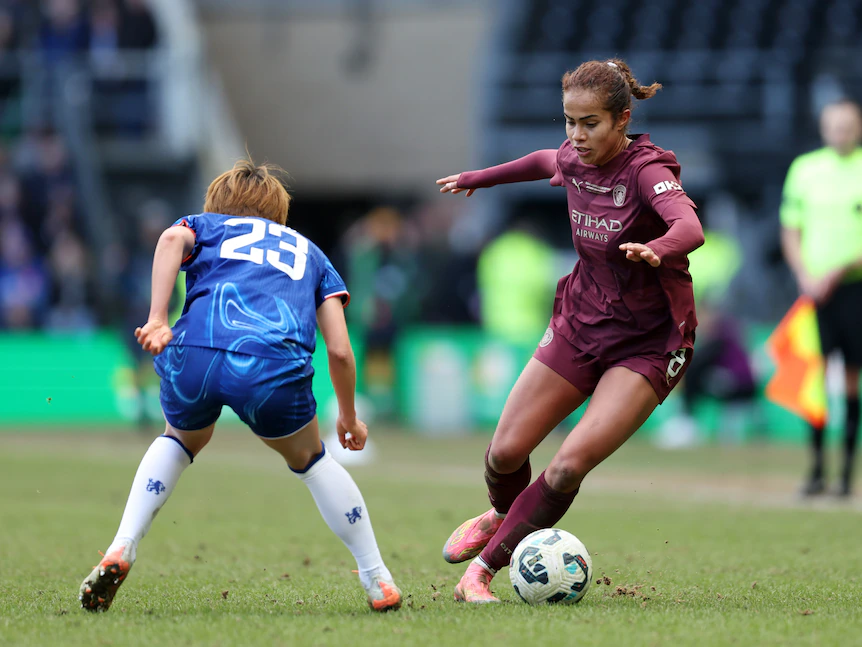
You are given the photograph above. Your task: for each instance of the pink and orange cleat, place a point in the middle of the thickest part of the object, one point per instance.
(475, 586)
(471, 537)
(98, 590)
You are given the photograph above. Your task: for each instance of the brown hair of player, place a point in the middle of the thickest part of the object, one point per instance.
(250, 189)
(612, 80)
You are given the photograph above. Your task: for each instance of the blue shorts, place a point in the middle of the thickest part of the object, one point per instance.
(272, 396)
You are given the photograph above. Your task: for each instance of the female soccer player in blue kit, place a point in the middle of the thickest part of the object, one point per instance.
(256, 293)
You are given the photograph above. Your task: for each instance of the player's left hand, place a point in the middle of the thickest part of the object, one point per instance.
(638, 252)
(351, 435)
(154, 336)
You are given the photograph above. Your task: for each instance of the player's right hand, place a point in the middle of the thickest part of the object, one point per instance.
(154, 336)
(449, 184)
(351, 434)
(638, 252)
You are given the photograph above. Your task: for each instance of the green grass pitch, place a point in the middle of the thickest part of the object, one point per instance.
(701, 547)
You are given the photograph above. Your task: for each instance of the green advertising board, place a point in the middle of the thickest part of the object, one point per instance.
(60, 380)
(447, 379)
(455, 378)
(79, 380)
(450, 379)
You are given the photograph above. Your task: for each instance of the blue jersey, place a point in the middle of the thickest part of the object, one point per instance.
(253, 287)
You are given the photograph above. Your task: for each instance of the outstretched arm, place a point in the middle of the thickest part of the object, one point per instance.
(174, 245)
(540, 165)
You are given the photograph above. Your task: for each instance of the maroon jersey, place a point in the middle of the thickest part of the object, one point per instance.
(610, 306)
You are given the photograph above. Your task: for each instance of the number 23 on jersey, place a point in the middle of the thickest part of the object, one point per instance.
(241, 247)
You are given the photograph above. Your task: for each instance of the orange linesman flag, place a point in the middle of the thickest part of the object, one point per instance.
(799, 383)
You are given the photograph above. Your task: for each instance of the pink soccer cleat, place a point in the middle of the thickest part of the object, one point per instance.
(471, 537)
(475, 586)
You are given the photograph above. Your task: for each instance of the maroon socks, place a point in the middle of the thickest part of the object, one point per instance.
(503, 489)
(538, 506)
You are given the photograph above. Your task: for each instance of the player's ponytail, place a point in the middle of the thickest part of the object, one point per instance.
(250, 189)
(638, 91)
(612, 80)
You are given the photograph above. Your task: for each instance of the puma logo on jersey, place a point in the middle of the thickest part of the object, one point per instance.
(577, 184)
(667, 185)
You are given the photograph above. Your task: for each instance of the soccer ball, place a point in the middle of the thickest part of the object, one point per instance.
(551, 566)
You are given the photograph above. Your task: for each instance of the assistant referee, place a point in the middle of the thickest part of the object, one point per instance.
(821, 237)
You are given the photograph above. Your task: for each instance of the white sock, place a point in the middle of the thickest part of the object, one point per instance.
(481, 562)
(340, 502)
(499, 515)
(158, 473)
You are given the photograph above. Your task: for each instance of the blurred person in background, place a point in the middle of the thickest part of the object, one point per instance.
(70, 274)
(623, 322)
(821, 236)
(10, 196)
(382, 266)
(122, 32)
(23, 279)
(10, 72)
(106, 64)
(446, 285)
(64, 32)
(516, 279)
(104, 36)
(138, 30)
(48, 203)
(138, 34)
(61, 215)
(134, 273)
(257, 292)
(721, 369)
(42, 162)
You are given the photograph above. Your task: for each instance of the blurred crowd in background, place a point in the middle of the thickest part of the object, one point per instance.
(46, 269)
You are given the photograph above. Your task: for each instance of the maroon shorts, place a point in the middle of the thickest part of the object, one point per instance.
(584, 370)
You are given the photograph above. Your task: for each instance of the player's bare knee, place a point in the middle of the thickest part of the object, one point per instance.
(565, 475)
(300, 460)
(192, 441)
(506, 458)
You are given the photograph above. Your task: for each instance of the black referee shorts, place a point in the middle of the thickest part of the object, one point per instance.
(840, 323)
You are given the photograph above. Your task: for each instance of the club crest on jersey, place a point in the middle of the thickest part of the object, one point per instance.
(547, 338)
(619, 194)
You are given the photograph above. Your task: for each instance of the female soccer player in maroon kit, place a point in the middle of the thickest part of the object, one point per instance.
(623, 321)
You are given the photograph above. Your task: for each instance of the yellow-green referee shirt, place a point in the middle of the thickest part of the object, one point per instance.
(823, 199)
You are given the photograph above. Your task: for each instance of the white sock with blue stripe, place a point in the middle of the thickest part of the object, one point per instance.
(157, 475)
(340, 502)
